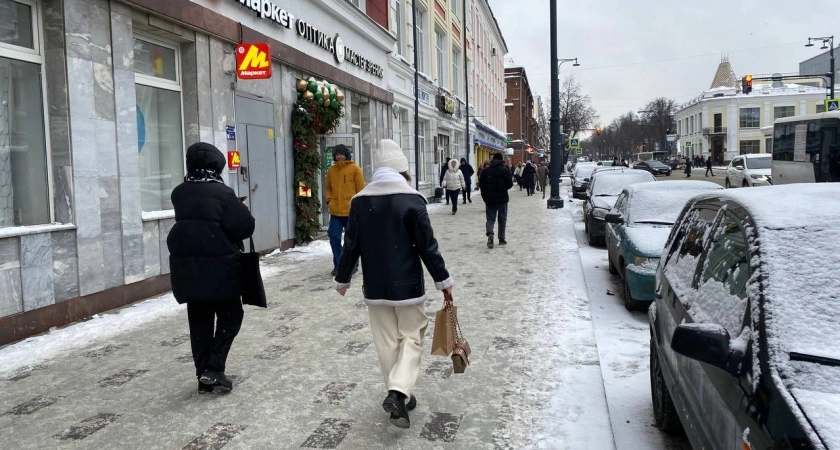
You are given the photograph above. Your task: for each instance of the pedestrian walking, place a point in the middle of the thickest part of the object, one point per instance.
(625, 163)
(468, 172)
(517, 175)
(443, 168)
(453, 183)
(495, 182)
(709, 166)
(204, 246)
(688, 164)
(389, 229)
(542, 176)
(344, 180)
(529, 174)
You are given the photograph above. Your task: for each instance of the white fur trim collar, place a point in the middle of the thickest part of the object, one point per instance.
(387, 181)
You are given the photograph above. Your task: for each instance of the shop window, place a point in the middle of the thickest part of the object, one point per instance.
(24, 174)
(160, 137)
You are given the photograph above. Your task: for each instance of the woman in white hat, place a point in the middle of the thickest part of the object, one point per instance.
(389, 229)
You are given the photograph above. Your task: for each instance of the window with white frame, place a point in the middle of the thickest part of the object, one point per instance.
(455, 6)
(420, 46)
(425, 159)
(398, 24)
(24, 163)
(750, 117)
(780, 112)
(440, 41)
(456, 71)
(160, 136)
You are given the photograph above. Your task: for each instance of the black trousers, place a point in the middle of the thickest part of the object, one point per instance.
(709, 169)
(466, 193)
(453, 196)
(490, 213)
(210, 348)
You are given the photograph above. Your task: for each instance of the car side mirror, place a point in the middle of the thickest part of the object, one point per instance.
(583, 196)
(708, 343)
(614, 218)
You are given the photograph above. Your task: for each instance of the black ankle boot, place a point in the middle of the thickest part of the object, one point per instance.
(395, 404)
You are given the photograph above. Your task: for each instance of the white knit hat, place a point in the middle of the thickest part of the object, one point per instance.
(389, 154)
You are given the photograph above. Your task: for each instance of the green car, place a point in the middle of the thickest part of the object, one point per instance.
(637, 228)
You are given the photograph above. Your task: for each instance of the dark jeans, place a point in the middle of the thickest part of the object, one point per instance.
(467, 193)
(337, 226)
(709, 169)
(491, 212)
(453, 196)
(210, 349)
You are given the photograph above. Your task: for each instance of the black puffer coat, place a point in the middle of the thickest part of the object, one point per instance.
(495, 182)
(210, 225)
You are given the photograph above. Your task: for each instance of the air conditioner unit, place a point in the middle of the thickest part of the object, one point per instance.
(493, 52)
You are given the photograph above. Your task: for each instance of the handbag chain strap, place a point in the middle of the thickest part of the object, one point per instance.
(453, 317)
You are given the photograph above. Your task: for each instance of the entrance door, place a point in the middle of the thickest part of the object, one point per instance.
(351, 140)
(257, 177)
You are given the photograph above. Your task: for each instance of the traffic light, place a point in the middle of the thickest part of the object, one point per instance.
(746, 84)
(597, 131)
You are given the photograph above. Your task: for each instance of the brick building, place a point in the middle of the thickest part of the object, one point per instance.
(519, 107)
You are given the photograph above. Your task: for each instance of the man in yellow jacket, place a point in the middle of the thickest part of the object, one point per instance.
(344, 180)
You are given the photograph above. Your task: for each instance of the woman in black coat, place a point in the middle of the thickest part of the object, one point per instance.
(204, 250)
(529, 174)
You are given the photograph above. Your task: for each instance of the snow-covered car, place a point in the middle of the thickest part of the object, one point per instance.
(637, 228)
(745, 326)
(580, 178)
(605, 187)
(749, 170)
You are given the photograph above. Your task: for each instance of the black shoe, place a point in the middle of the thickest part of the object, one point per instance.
(453, 212)
(216, 380)
(502, 242)
(470, 200)
(490, 241)
(412, 403)
(333, 272)
(204, 388)
(395, 404)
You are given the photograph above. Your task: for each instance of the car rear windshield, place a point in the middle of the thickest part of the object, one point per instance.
(657, 206)
(759, 163)
(584, 171)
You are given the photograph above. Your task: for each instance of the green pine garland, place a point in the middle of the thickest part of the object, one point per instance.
(310, 119)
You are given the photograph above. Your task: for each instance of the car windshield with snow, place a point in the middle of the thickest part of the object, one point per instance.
(605, 187)
(745, 324)
(637, 228)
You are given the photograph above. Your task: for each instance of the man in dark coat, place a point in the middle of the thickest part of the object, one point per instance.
(494, 184)
(529, 175)
(709, 166)
(468, 172)
(443, 170)
(204, 251)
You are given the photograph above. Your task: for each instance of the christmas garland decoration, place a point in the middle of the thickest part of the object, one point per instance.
(317, 111)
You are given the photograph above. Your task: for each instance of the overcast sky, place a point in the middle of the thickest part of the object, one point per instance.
(632, 51)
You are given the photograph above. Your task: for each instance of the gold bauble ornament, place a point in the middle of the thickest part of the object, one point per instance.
(301, 85)
(326, 101)
(339, 96)
(307, 95)
(310, 79)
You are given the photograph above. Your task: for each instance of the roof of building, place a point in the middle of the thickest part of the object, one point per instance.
(724, 77)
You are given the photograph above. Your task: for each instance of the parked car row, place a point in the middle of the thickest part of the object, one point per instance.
(743, 310)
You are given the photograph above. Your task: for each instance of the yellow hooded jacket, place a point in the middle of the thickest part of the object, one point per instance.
(344, 180)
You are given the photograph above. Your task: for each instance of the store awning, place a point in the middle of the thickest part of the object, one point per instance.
(487, 136)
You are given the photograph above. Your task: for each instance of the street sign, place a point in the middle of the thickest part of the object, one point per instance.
(578, 151)
(574, 143)
(688, 144)
(656, 146)
(253, 61)
(670, 144)
(230, 132)
(832, 104)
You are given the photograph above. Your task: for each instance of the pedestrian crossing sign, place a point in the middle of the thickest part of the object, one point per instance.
(574, 143)
(832, 104)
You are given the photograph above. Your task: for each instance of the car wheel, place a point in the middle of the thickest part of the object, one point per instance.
(745, 184)
(664, 413)
(629, 303)
(728, 184)
(613, 270)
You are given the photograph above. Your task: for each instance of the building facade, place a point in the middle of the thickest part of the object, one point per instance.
(723, 122)
(120, 89)
(521, 124)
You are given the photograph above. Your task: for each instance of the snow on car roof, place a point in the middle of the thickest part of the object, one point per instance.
(662, 202)
(611, 182)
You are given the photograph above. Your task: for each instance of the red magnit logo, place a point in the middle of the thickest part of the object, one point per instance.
(253, 61)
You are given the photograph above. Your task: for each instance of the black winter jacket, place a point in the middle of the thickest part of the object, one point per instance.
(206, 240)
(392, 234)
(494, 183)
(468, 172)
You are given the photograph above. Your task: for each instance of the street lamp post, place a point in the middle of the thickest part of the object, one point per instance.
(557, 147)
(827, 41)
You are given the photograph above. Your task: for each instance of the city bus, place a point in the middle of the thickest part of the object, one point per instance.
(806, 149)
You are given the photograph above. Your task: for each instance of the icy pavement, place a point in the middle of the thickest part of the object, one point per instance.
(305, 371)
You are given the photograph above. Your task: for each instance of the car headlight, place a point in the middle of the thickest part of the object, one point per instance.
(640, 261)
(599, 213)
(758, 177)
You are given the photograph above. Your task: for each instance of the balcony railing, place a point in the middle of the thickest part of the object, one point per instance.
(711, 131)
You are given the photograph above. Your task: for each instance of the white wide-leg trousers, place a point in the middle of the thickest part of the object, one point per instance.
(398, 334)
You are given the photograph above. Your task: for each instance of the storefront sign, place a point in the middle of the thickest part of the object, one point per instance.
(333, 44)
(233, 159)
(446, 104)
(253, 61)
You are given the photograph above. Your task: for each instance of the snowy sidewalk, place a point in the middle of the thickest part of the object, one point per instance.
(306, 373)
